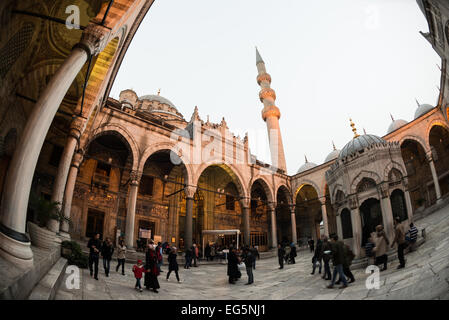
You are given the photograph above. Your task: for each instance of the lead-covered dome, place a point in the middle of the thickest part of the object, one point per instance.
(158, 98)
(333, 155)
(157, 104)
(360, 143)
(396, 124)
(422, 109)
(306, 166)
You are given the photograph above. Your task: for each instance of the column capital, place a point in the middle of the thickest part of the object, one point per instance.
(77, 127)
(353, 202)
(271, 206)
(246, 202)
(77, 159)
(94, 39)
(429, 156)
(190, 191)
(383, 189)
(134, 177)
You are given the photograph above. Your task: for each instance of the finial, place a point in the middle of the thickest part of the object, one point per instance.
(417, 102)
(353, 128)
(159, 91)
(333, 145)
(258, 57)
(364, 131)
(207, 118)
(392, 119)
(306, 158)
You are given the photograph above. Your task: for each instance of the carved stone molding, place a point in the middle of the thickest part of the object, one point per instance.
(190, 191)
(94, 39)
(245, 202)
(77, 127)
(353, 202)
(383, 190)
(134, 177)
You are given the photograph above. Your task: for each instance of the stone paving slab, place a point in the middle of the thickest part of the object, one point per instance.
(426, 276)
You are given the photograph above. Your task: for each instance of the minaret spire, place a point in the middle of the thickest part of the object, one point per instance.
(270, 114)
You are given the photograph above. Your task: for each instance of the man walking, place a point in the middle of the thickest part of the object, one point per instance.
(318, 256)
(380, 247)
(281, 253)
(107, 249)
(327, 253)
(337, 260)
(94, 246)
(399, 238)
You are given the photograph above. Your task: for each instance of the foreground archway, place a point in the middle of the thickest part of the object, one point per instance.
(308, 214)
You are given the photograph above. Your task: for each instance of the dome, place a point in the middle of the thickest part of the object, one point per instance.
(333, 155)
(422, 109)
(359, 143)
(306, 166)
(396, 124)
(153, 97)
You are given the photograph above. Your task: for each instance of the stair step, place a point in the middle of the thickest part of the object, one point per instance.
(46, 288)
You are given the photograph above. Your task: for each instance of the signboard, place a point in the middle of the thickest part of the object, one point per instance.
(173, 239)
(157, 239)
(144, 233)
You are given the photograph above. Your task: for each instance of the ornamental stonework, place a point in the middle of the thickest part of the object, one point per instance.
(267, 93)
(263, 77)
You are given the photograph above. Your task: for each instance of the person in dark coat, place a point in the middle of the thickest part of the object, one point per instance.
(327, 254)
(248, 259)
(233, 268)
(281, 253)
(292, 253)
(173, 264)
(311, 245)
(256, 255)
(94, 246)
(338, 257)
(188, 257)
(207, 252)
(317, 256)
(349, 256)
(151, 270)
(107, 249)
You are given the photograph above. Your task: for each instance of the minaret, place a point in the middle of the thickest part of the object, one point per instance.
(270, 114)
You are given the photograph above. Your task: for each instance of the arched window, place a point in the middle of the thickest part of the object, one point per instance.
(398, 204)
(366, 184)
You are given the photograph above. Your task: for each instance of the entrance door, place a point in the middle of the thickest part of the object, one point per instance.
(371, 216)
(95, 222)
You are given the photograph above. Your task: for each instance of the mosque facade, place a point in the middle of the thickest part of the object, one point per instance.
(136, 167)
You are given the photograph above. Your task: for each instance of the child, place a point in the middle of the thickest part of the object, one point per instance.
(138, 271)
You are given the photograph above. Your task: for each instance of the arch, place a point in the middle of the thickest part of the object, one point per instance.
(364, 174)
(416, 139)
(230, 169)
(392, 166)
(307, 182)
(283, 186)
(265, 185)
(160, 146)
(119, 129)
(434, 123)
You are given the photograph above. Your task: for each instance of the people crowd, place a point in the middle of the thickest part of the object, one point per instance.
(328, 253)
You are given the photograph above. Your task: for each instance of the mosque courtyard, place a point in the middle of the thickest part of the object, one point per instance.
(426, 276)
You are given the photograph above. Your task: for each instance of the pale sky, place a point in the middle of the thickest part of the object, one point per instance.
(329, 60)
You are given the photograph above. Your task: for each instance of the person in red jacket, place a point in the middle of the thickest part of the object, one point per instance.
(138, 270)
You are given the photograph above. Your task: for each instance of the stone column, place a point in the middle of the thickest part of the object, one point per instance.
(274, 239)
(246, 227)
(325, 221)
(293, 219)
(356, 226)
(64, 165)
(408, 203)
(14, 243)
(188, 231)
(387, 212)
(131, 210)
(434, 176)
(68, 196)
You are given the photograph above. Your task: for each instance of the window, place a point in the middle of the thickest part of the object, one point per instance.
(346, 223)
(230, 202)
(55, 156)
(103, 169)
(146, 186)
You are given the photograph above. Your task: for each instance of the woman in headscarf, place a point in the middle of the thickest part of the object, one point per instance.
(151, 269)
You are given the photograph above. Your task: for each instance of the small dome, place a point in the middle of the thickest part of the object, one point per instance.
(396, 124)
(422, 109)
(333, 155)
(306, 166)
(359, 143)
(153, 97)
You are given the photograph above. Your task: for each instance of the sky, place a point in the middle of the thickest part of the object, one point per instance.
(329, 61)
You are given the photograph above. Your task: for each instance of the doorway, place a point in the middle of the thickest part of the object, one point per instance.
(371, 215)
(95, 223)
